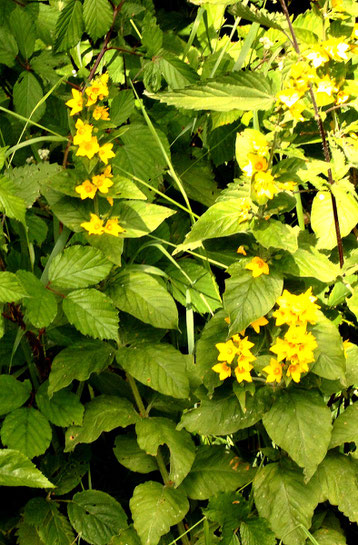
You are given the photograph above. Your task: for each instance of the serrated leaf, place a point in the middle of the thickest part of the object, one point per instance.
(329, 356)
(216, 470)
(96, 516)
(251, 90)
(285, 501)
(26, 180)
(322, 219)
(103, 413)
(128, 536)
(78, 267)
(10, 204)
(55, 528)
(69, 26)
(224, 416)
(300, 423)
(122, 106)
(27, 94)
(255, 15)
(13, 393)
(139, 218)
(275, 234)
(337, 476)
(110, 246)
(78, 362)
(131, 456)
(176, 72)
(329, 536)
(8, 47)
(256, 532)
(155, 508)
(156, 431)
(345, 427)
(159, 366)
(63, 409)
(310, 263)
(17, 470)
(27, 535)
(92, 313)
(98, 17)
(144, 297)
(27, 430)
(247, 298)
(40, 304)
(11, 290)
(23, 28)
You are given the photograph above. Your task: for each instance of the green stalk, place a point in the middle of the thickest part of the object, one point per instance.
(27, 120)
(57, 249)
(299, 210)
(136, 395)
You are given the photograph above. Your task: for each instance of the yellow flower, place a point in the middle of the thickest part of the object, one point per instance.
(296, 111)
(244, 209)
(84, 132)
(296, 309)
(254, 163)
(264, 187)
(355, 31)
(95, 226)
(227, 319)
(294, 371)
(286, 186)
(76, 102)
(105, 152)
(110, 200)
(108, 172)
(274, 371)
(297, 346)
(88, 148)
(113, 228)
(337, 5)
(259, 323)
(346, 345)
(223, 369)
(86, 190)
(100, 112)
(241, 250)
(102, 183)
(97, 90)
(336, 49)
(258, 267)
(326, 85)
(289, 97)
(243, 373)
(300, 75)
(341, 97)
(227, 351)
(317, 56)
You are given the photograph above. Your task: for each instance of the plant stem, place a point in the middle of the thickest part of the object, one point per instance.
(325, 146)
(299, 210)
(136, 395)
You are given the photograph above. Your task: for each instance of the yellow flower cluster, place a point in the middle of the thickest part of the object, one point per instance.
(235, 354)
(297, 346)
(258, 267)
(89, 146)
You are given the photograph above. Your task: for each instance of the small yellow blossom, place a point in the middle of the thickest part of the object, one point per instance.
(105, 152)
(254, 163)
(227, 351)
(260, 322)
(108, 172)
(346, 345)
(286, 186)
(301, 74)
(326, 85)
(297, 346)
(264, 187)
(110, 200)
(76, 102)
(296, 309)
(241, 250)
(258, 267)
(336, 49)
(94, 226)
(84, 132)
(288, 97)
(88, 148)
(317, 56)
(337, 5)
(243, 373)
(113, 228)
(86, 190)
(244, 209)
(274, 371)
(223, 369)
(294, 371)
(227, 319)
(97, 90)
(355, 31)
(100, 112)
(341, 97)
(102, 183)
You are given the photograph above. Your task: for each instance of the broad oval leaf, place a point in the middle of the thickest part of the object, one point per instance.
(155, 508)
(11, 204)
(131, 456)
(159, 366)
(11, 289)
(27, 95)
(17, 470)
(310, 263)
(13, 393)
(69, 26)
(27, 430)
(330, 361)
(41, 304)
(139, 218)
(96, 516)
(98, 17)
(63, 409)
(275, 234)
(345, 427)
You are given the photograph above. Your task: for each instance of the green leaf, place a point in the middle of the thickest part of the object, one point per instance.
(27, 535)
(197, 177)
(224, 416)
(159, 366)
(144, 297)
(275, 234)
(122, 106)
(10, 204)
(247, 298)
(129, 536)
(282, 497)
(345, 427)
(128, 453)
(26, 180)
(300, 423)
(63, 409)
(103, 413)
(53, 528)
(27, 430)
(17, 470)
(78, 362)
(176, 73)
(8, 47)
(216, 470)
(322, 220)
(92, 313)
(156, 431)
(27, 94)
(96, 516)
(139, 218)
(337, 476)
(69, 26)
(351, 365)
(329, 356)
(352, 302)
(310, 263)
(40, 304)
(256, 532)
(98, 17)
(110, 246)
(252, 91)
(13, 393)
(203, 290)
(329, 536)
(78, 267)
(228, 509)
(260, 16)
(155, 508)
(23, 28)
